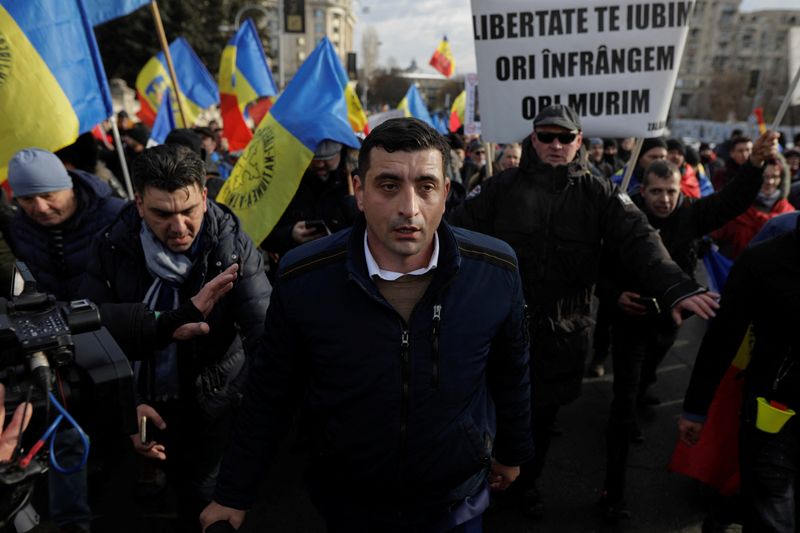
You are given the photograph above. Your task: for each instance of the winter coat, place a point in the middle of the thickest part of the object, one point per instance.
(210, 367)
(402, 417)
(57, 256)
(558, 220)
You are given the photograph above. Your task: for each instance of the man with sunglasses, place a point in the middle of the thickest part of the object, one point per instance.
(558, 218)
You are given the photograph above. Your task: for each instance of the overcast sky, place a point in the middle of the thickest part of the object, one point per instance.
(412, 29)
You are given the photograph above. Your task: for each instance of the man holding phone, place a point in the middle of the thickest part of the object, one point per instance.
(323, 203)
(642, 335)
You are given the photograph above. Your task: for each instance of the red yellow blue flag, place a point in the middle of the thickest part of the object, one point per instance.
(355, 112)
(52, 83)
(443, 60)
(244, 77)
(198, 90)
(310, 110)
(457, 111)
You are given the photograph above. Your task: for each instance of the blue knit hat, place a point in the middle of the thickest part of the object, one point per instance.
(35, 171)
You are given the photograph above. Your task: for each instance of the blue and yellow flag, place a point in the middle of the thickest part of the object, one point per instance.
(413, 106)
(100, 11)
(52, 83)
(310, 110)
(244, 77)
(198, 89)
(165, 121)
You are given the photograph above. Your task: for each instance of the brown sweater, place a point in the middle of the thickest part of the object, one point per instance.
(404, 292)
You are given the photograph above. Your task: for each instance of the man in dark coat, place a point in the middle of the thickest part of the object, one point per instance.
(558, 218)
(160, 251)
(404, 342)
(642, 335)
(762, 290)
(60, 212)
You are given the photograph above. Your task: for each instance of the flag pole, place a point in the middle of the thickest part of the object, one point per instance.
(121, 153)
(162, 38)
(626, 180)
(786, 100)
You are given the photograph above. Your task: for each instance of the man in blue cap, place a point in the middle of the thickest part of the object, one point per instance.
(60, 212)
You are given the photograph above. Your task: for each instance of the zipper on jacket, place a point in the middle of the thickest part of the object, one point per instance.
(437, 317)
(405, 349)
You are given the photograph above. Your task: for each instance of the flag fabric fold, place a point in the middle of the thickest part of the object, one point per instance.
(355, 113)
(413, 106)
(442, 59)
(52, 83)
(457, 111)
(165, 121)
(311, 109)
(100, 11)
(198, 90)
(244, 77)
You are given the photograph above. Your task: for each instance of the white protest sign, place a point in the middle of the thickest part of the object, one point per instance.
(614, 62)
(794, 60)
(472, 112)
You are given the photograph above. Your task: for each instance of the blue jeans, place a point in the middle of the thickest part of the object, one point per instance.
(69, 493)
(770, 465)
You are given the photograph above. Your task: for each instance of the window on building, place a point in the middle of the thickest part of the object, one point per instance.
(685, 99)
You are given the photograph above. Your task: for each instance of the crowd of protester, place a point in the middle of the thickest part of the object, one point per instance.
(604, 273)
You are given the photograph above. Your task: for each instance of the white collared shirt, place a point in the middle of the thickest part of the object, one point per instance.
(388, 275)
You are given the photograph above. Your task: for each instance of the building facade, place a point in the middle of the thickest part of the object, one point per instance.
(733, 61)
(332, 18)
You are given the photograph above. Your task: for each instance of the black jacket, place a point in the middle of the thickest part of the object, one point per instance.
(681, 230)
(558, 220)
(116, 273)
(57, 256)
(315, 199)
(763, 288)
(402, 417)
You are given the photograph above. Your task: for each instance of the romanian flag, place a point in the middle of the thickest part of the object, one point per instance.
(355, 113)
(714, 460)
(52, 83)
(165, 121)
(197, 88)
(443, 60)
(100, 11)
(244, 77)
(311, 109)
(413, 106)
(457, 111)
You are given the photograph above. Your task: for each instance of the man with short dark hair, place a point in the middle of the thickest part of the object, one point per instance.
(404, 339)
(642, 333)
(160, 251)
(559, 217)
(737, 155)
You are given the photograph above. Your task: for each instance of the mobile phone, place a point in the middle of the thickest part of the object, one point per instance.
(143, 430)
(650, 305)
(318, 226)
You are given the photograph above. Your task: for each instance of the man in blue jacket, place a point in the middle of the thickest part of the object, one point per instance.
(405, 341)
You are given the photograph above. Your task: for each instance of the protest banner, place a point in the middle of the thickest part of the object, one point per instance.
(794, 60)
(615, 63)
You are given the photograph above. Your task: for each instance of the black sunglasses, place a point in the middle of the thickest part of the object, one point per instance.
(548, 137)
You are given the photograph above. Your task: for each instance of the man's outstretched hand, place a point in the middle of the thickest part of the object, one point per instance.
(205, 300)
(703, 305)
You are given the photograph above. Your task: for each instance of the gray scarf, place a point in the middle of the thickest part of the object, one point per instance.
(170, 271)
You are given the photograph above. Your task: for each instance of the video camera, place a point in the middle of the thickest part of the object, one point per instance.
(51, 350)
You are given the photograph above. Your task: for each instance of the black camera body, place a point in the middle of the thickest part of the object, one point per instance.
(41, 338)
